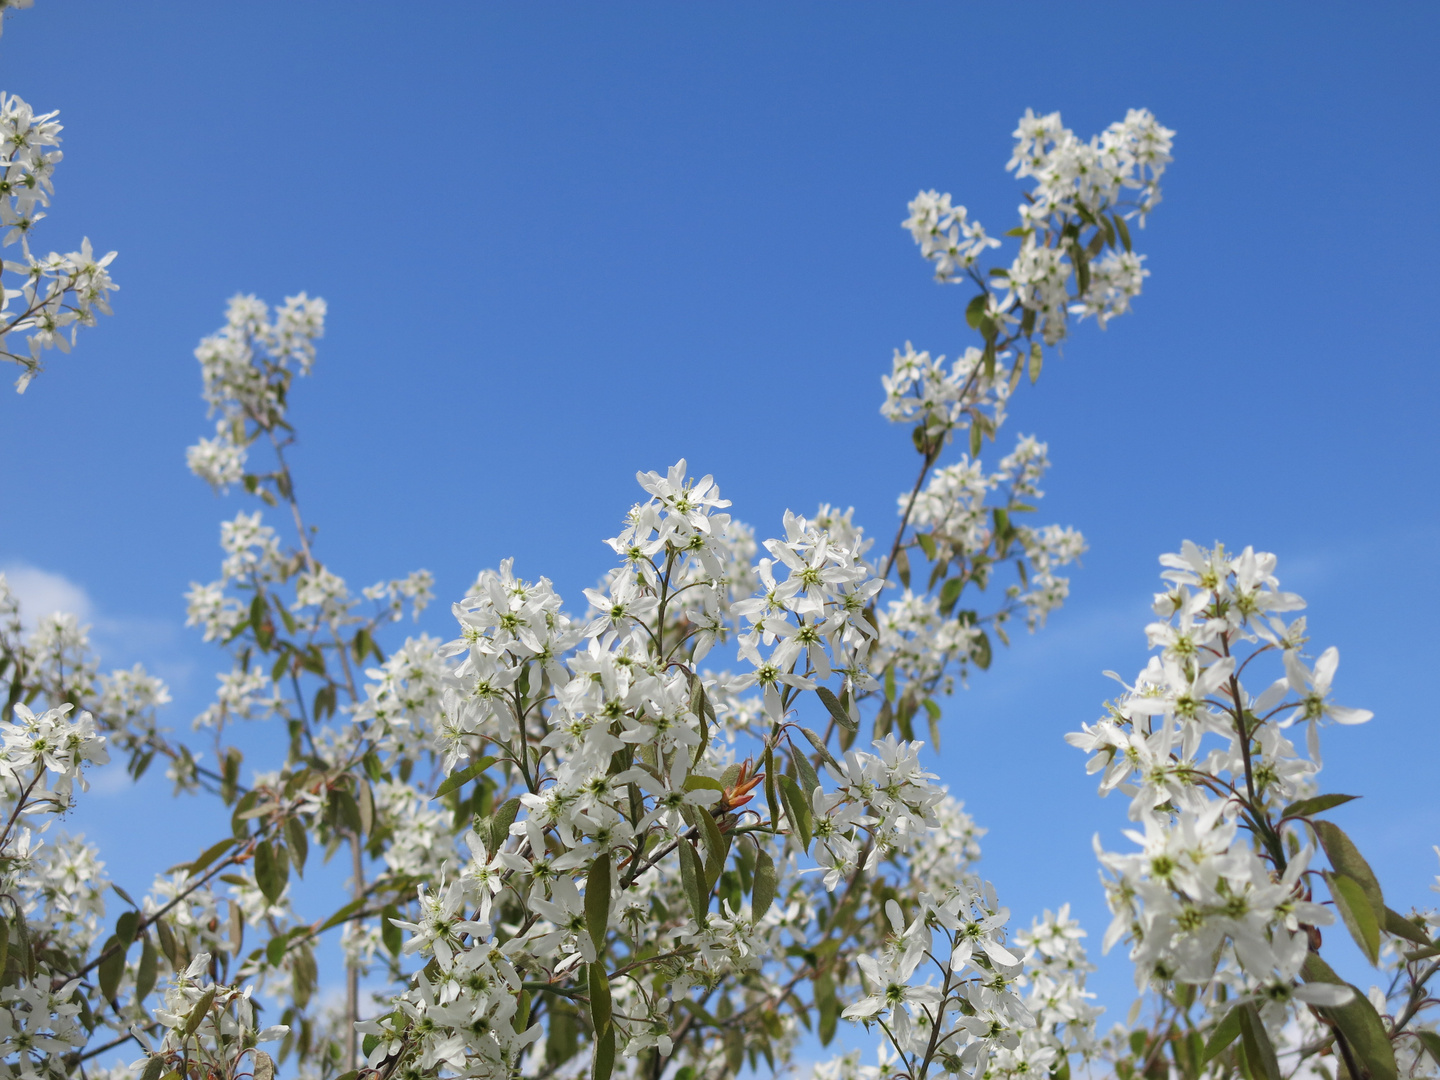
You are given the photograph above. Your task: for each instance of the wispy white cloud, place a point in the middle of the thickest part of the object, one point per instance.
(42, 593)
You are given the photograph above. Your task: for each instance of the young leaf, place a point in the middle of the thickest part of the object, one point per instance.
(1355, 910)
(597, 901)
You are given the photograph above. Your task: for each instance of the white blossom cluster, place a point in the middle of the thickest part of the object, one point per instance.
(1099, 185)
(1213, 896)
(58, 294)
(247, 367)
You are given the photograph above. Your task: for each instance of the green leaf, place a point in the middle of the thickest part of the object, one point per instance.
(837, 711)
(1082, 269)
(819, 744)
(717, 847)
(927, 545)
(809, 781)
(1259, 1051)
(361, 645)
(123, 895)
(299, 843)
(1358, 1021)
(167, 942)
(950, 593)
(765, 881)
(209, 855)
(597, 901)
(562, 1037)
(797, 809)
(520, 1019)
(692, 875)
(462, 776)
(268, 873)
(980, 651)
(1397, 924)
(975, 436)
(902, 566)
(604, 1061)
(770, 785)
(600, 1007)
(343, 915)
(196, 1016)
(112, 968)
(1037, 360)
(828, 1006)
(1431, 1042)
(126, 926)
(975, 310)
(1306, 807)
(390, 934)
(146, 971)
(365, 800)
(1355, 910)
(1123, 229)
(1225, 1033)
(153, 1068)
(500, 823)
(1346, 859)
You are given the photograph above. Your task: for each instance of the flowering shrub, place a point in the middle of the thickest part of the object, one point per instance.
(575, 848)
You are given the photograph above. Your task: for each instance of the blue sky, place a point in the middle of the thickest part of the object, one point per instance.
(564, 242)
